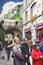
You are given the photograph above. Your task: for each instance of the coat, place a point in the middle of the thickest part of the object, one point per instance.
(18, 58)
(36, 57)
(25, 51)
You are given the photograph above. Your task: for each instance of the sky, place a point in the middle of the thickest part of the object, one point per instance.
(2, 2)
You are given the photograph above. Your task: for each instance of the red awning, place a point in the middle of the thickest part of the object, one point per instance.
(39, 27)
(27, 30)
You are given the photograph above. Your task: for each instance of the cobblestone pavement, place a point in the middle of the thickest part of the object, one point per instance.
(4, 61)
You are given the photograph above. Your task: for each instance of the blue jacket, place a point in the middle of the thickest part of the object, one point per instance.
(41, 49)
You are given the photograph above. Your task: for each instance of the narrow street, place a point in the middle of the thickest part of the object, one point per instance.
(21, 32)
(4, 62)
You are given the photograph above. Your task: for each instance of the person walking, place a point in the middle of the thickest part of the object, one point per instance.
(7, 42)
(36, 54)
(25, 51)
(0, 49)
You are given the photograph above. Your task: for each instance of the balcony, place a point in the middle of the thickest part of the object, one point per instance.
(10, 26)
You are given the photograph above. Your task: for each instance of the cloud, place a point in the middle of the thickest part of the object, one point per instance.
(9, 5)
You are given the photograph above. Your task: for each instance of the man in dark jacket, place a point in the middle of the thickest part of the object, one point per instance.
(25, 51)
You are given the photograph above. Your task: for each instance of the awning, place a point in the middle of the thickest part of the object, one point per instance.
(39, 27)
(27, 29)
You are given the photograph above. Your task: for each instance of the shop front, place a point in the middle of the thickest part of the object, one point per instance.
(28, 33)
(39, 32)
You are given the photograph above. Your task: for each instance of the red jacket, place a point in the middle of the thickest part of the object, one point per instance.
(36, 57)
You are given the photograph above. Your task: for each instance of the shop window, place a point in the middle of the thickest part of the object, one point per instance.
(42, 35)
(28, 35)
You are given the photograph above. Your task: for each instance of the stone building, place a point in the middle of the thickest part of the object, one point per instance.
(33, 19)
(13, 21)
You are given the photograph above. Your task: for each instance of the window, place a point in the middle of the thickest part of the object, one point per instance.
(26, 13)
(16, 23)
(28, 35)
(42, 33)
(33, 9)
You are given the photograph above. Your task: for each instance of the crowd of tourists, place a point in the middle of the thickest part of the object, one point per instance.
(22, 50)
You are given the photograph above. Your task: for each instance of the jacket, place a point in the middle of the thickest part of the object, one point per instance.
(25, 51)
(18, 58)
(36, 57)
